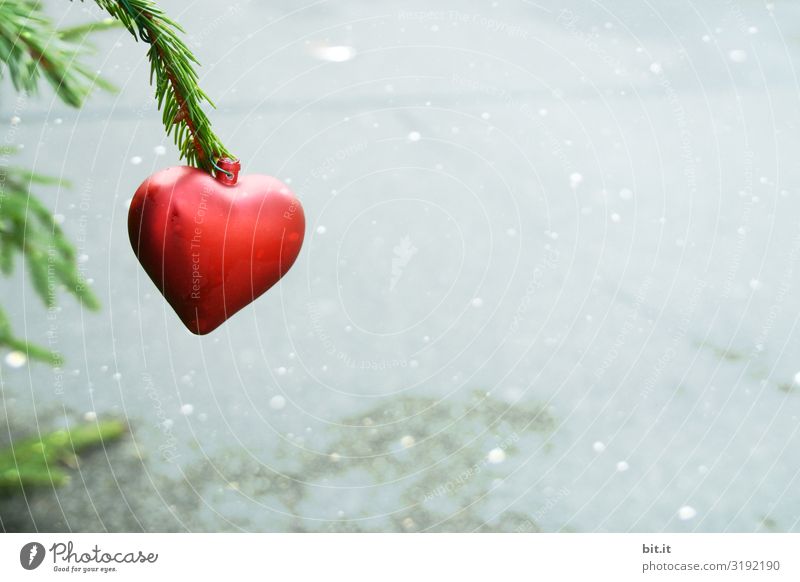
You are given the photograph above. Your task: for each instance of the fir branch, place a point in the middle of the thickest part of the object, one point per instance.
(28, 228)
(172, 71)
(40, 461)
(31, 48)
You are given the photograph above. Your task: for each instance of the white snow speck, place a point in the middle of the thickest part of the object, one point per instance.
(321, 229)
(511, 231)
(752, 30)
(575, 179)
(407, 441)
(626, 194)
(797, 378)
(706, 38)
(598, 447)
(281, 371)
(737, 56)
(543, 112)
(16, 120)
(187, 409)
(755, 284)
(496, 456)
(686, 512)
(414, 136)
(656, 68)
(622, 466)
(117, 376)
(58, 121)
(485, 115)
(477, 302)
(16, 359)
(277, 402)
(615, 217)
(159, 150)
(90, 416)
(136, 160)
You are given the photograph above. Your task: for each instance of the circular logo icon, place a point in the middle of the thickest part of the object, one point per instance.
(31, 555)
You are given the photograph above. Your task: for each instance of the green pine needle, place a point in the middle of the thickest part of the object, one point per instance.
(78, 33)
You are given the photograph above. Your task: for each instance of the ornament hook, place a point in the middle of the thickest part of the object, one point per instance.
(227, 171)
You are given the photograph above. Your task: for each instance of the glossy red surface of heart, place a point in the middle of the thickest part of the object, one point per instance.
(214, 244)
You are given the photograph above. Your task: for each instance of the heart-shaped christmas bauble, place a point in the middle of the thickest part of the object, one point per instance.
(213, 244)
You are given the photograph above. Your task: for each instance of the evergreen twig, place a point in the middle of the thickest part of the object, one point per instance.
(28, 228)
(39, 462)
(30, 47)
(172, 70)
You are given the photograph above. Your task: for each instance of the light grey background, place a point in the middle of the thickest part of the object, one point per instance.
(593, 209)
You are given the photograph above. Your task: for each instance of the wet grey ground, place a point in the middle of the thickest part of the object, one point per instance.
(549, 283)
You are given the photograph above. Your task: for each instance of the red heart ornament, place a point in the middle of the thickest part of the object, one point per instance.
(213, 244)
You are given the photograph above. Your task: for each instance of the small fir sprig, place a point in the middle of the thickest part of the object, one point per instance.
(27, 228)
(41, 461)
(32, 48)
